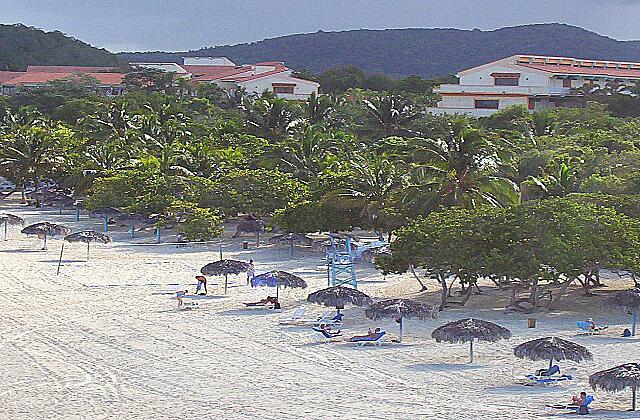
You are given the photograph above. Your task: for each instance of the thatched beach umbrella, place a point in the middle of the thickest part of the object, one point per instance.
(470, 329)
(250, 225)
(278, 279)
(291, 239)
(224, 268)
(88, 236)
(339, 296)
(629, 300)
(46, 229)
(617, 379)
(399, 309)
(10, 219)
(552, 348)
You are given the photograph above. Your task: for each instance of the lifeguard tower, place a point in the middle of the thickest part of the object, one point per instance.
(341, 269)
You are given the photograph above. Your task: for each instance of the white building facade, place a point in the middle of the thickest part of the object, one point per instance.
(537, 82)
(273, 77)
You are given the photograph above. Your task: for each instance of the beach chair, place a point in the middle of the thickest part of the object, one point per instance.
(547, 377)
(268, 303)
(335, 321)
(295, 317)
(584, 328)
(327, 334)
(310, 321)
(573, 408)
(375, 339)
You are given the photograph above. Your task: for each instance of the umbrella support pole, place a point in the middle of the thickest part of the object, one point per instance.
(634, 395)
(131, 231)
(471, 351)
(550, 363)
(225, 283)
(106, 223)
(44, 248)
(6, 227)
(400, 336)
(60, 259)
(291, 256)
(77, 214)
(88, 245)
(634, 321)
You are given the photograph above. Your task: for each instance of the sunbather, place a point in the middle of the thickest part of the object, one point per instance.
(579, 399)
(264, 302)
(592, 324)
(371, 334)
(579, 403)
(202, 281)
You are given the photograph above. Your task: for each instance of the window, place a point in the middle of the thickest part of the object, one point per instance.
(566, 83)
(283, 88)
(506, 81)
(486, 103)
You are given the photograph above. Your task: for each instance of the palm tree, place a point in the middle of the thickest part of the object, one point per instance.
(164, 133)
(371, 187)
(463, 168)
(319, 108)
(28, 141)
(272, 118)
(391, 114)
(307, 152)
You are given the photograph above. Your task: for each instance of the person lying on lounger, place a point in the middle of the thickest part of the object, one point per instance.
(579, 403)
(264, 302)
(579, 399)
(371, 334)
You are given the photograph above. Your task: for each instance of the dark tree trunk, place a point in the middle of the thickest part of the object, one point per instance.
(443, 296)
(423, 288)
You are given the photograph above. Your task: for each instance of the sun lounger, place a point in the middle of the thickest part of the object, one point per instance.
(546, 377)
(584, 328)
(335, 321)
(327, 335)
(268, 303)
(309, 321)
(579, 409)
(295, 317)
(375, 339)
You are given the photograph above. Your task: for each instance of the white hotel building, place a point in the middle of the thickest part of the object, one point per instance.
(537, 82)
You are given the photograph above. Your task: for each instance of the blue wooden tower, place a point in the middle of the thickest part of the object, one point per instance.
(341, 269)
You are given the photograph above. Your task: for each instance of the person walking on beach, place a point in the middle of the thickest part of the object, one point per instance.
(179, 296)
(202, 281)
(251, 272)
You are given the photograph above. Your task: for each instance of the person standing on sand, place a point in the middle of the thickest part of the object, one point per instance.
(251, 272)
(202, 281)
(179, 296)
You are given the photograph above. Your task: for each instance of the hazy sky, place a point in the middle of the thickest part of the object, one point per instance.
(177, 25)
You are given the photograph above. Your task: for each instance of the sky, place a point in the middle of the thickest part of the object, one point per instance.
(180, 25)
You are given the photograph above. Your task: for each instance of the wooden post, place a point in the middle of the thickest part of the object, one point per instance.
(44, 248)
(131, 231)
(60, 259)
(634, 319)
(400, 337)
(157, 235)
(634, 394)
(6, 227)
(471, 351)
(225, 284)
(77, 213)
(88, 244)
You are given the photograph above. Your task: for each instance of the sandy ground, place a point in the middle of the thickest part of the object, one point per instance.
(101, 340)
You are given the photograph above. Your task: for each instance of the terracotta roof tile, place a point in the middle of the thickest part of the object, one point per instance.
(584, 71)
(210, 73)
(70, 69)
(43, 77)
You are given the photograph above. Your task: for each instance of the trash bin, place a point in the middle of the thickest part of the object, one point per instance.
(245, 245)
(531, 322)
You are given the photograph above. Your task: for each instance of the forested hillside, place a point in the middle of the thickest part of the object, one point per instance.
(21, 46)
(424, 52)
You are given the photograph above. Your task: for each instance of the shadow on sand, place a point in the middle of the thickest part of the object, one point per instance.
(443, 367)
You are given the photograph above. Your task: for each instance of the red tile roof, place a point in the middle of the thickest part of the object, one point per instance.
(69, 69)
(210, 73)
(278, 68)
(7, 75)
(584, 71)
(25, 78)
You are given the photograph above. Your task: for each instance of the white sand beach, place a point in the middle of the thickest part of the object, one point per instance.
(102, 340)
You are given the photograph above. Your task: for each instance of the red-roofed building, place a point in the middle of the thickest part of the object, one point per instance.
(109, 82)
(256, 78)
(537, 82)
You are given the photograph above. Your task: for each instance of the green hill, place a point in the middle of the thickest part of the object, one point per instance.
(425, 52)
(21, 46)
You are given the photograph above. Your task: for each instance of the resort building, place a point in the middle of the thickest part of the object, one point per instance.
(255, 78)
(109, 80)
(537, 82)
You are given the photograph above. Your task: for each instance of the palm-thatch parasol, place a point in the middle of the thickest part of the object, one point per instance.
(292, 238)
(619, 378)
(469, 329)
(629, 300)
(250, 224)
(46, 229)
(88, 236)
(278, 278)
(399, 309)
(224, 268)
(10, 219)
(552, 348)
(339, 296)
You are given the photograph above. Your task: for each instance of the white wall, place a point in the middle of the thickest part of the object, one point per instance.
(468, 102)
(482, 76)
(207, 61)
(302, 90)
